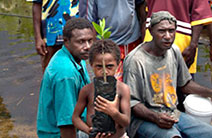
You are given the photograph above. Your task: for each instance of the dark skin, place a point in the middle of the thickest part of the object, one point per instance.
(40, 44)
(78, 45)
(68, 131)
(189, 52)
(142, 15)
(119, 109)
(163, 37)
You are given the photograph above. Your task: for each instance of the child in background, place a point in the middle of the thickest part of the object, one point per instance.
(119, 109)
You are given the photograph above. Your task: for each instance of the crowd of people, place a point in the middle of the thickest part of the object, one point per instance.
(151, 53)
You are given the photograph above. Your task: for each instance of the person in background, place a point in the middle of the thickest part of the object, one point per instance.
(153, 71)
(49, 18)
(63, 78)
(209, 30)
(141, 10)
(191, 16)
(121, 16)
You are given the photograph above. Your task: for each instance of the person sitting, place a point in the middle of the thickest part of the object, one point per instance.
(153, 71)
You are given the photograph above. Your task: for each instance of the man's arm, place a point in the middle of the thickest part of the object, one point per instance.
(68, 131)
(140, 6)
(39, 42)
(190, 51)
(209, 29)
(193, 88)
(161, 119)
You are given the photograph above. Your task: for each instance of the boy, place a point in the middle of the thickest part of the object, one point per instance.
(119, 109)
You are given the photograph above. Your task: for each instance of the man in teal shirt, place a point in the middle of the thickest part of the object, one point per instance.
(63, 78)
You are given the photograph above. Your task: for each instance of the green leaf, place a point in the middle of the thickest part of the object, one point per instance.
(107, 35)
(103, 24)
(106, 30)
(99, 37)
(97, 28)
(100, 29)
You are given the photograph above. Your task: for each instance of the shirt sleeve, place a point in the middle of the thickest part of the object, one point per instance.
(66, 95)
(200, 12)
(183, 75)
(135, 80)
(92, 11)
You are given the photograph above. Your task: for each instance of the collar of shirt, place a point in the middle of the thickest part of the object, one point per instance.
(78, 67)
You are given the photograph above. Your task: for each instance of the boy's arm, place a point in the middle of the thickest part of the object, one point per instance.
(80, 106)
(112, 107)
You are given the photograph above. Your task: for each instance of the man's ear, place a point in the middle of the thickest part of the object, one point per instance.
(65, 39)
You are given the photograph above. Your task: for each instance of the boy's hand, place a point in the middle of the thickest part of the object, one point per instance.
(106, 106)
(103, 135)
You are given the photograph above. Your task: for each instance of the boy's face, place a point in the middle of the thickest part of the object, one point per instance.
(110, 65)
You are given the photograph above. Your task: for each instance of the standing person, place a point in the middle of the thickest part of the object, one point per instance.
(209, 30)
(153, 71)
(121, 16)
(63, 78)
(49, 18)
(119, 109)
(191, 15)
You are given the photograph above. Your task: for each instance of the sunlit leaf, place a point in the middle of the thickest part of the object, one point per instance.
(100, 29)
(107, 35)
(103, 24)
(99, 37)
(97, 28)
(106, 30)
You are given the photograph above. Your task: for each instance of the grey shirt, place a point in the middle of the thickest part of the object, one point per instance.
(150, 77)
(119, 14)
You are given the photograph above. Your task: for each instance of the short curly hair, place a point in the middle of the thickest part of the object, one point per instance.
(106, 46)
(75, 23)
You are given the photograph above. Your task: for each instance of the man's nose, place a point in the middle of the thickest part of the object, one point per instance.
(87, 45)
(167, 35)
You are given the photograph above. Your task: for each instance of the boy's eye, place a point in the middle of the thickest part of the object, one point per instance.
(109, 66)
(99, 66)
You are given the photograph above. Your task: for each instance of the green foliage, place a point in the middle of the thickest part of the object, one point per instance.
(100, 29)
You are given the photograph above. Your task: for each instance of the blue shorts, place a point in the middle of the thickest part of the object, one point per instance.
(187, 126)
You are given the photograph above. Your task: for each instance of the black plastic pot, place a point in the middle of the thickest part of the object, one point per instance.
(102, 122)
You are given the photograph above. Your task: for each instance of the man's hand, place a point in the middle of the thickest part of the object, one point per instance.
(40, 47)
(189, 55)
(165, 121)
(106, 106)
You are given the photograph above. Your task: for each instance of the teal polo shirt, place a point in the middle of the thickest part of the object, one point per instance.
(60, 87)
